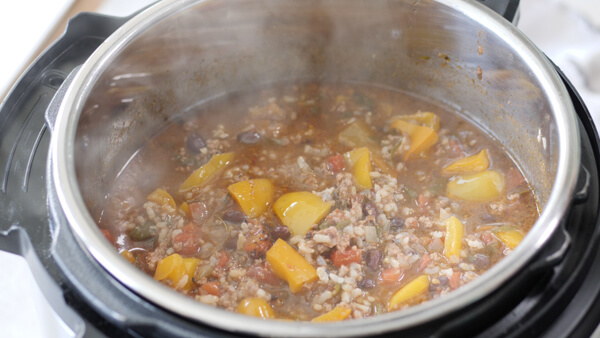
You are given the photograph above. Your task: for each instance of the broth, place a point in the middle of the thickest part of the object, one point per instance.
(318, 202)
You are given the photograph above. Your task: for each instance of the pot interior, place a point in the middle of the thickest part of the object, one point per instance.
(178, 55)
(214, 48)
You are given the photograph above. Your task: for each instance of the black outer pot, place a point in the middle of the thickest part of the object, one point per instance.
(555, 296)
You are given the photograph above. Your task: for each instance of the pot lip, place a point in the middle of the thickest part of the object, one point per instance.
(92, 241)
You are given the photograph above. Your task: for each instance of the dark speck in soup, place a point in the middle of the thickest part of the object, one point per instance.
(319, 202)
(195, 143)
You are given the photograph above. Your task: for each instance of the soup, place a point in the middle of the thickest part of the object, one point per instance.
(318, 202)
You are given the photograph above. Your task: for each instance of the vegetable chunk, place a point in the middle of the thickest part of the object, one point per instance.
(206, 172)
(409, 291)
(339, 258)
(257, 307)
(178, 270)
(164, 199)
(425, 119)
(337, 314)
(300, 210)
(468, 165)
(253, 196)
(480, 187)
(510, 238)
(421, 138)
(358, 134)
(454, 236)
(360, 161)
(290, 266)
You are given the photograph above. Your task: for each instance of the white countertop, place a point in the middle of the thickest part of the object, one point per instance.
(568, 31)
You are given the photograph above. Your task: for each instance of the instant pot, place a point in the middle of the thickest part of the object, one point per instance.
(91, 87)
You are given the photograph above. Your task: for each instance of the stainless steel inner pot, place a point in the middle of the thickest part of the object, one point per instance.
(181, 53)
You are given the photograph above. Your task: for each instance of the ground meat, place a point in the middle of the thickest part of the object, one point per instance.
(345, 189)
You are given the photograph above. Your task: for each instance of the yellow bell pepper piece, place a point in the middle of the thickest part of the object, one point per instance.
(128, 256)
(257, 307)
(300, 210)
(190, 265)
(164, 199)
(480, 187)
(421, 138)
(360, 161)
(290, 266)
(425, 119)
(454, 236)
(467, 165)
(337, 314)
(510, 238)
(207, 171)
(185, 208)
(358, 134)
(174, 268)
(167, 266)
(253, 196)
(409, 291)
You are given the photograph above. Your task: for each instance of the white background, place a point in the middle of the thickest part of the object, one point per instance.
(568, 31)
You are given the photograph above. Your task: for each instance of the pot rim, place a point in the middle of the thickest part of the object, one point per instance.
(92, 241)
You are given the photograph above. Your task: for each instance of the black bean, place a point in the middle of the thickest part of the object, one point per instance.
(366, 283)
(370, 209)
(195, 142)
(142, 232)
(248, 137)
(396, 223)
(443, 280)
(373, 258)
(234, 216)
(282, 232)
(482, 261)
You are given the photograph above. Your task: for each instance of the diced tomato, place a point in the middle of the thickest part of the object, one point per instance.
(108, 235)
(212, 288)
(224, 260)
(339, 258)
(187, 242)
(336, 163)
(264, 274)
(391, 276)
(454, 280)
